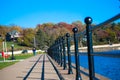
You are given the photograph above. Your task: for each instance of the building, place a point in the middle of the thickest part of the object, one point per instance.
(13, 35)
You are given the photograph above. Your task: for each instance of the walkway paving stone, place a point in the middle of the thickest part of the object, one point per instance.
(39, 67)
(30, 69)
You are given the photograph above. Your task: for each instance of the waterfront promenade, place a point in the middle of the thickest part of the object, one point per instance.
(39, 67)
(34, 68)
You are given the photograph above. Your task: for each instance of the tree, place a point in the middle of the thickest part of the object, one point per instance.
(41, 39)
(17, 28)
(78, 24)
(27, 38)
(3, 30)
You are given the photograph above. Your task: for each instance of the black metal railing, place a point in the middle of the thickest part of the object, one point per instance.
(61, 49)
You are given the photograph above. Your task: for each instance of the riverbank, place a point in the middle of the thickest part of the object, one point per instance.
(99, 48)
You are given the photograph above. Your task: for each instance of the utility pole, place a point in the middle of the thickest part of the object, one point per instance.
(34, 42)
(6, 46)
(3, 51)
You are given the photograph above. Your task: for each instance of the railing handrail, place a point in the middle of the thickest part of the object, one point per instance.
(107, 21)
(101, 24)
(58, 51)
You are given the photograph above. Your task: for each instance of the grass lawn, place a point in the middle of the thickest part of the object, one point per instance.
(17, 57)
(16, 46)
(22, 56)
(5, 64)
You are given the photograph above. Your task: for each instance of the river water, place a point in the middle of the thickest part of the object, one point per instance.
(106, 66)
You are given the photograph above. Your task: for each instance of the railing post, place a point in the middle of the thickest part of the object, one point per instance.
(78, 76)
(59, 54)
(55, 49)
(69, 55)
(88, 22)
(61, 58)
(49, 52)
(64, 53)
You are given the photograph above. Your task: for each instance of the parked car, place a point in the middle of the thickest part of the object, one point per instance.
(25, 51)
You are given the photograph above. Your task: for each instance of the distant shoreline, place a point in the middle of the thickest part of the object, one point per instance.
(96, 48)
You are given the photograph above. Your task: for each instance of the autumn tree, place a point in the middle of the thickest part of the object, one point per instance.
(79, 25)
(3, 30)
(109, 33)
(17, 28)
(27, 38)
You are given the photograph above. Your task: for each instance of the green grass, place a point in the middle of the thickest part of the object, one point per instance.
(16, 46)
(22, 56)
(5, 64)
(17, 57)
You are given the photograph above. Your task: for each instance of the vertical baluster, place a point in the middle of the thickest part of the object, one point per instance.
(88, 22)
(59, 56)
(69, 55)
(60, 40)
(78, 76)
(64, 53)
(55, 53)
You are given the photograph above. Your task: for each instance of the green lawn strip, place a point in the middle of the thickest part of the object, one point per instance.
(16, 47)
(22, 56)
(17, 57)
(5, 64)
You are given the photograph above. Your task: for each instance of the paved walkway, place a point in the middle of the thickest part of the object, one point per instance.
(39, 67)
(34, 68)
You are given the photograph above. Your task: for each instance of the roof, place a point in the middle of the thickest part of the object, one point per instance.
(13, 32)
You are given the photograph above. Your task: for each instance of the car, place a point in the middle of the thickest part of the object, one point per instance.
(25, 51)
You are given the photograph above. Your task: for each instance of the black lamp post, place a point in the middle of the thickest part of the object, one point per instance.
(12, 46)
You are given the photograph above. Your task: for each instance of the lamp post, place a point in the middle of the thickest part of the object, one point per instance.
(12, 46)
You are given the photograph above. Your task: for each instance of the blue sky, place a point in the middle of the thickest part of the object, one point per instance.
(29, 13)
